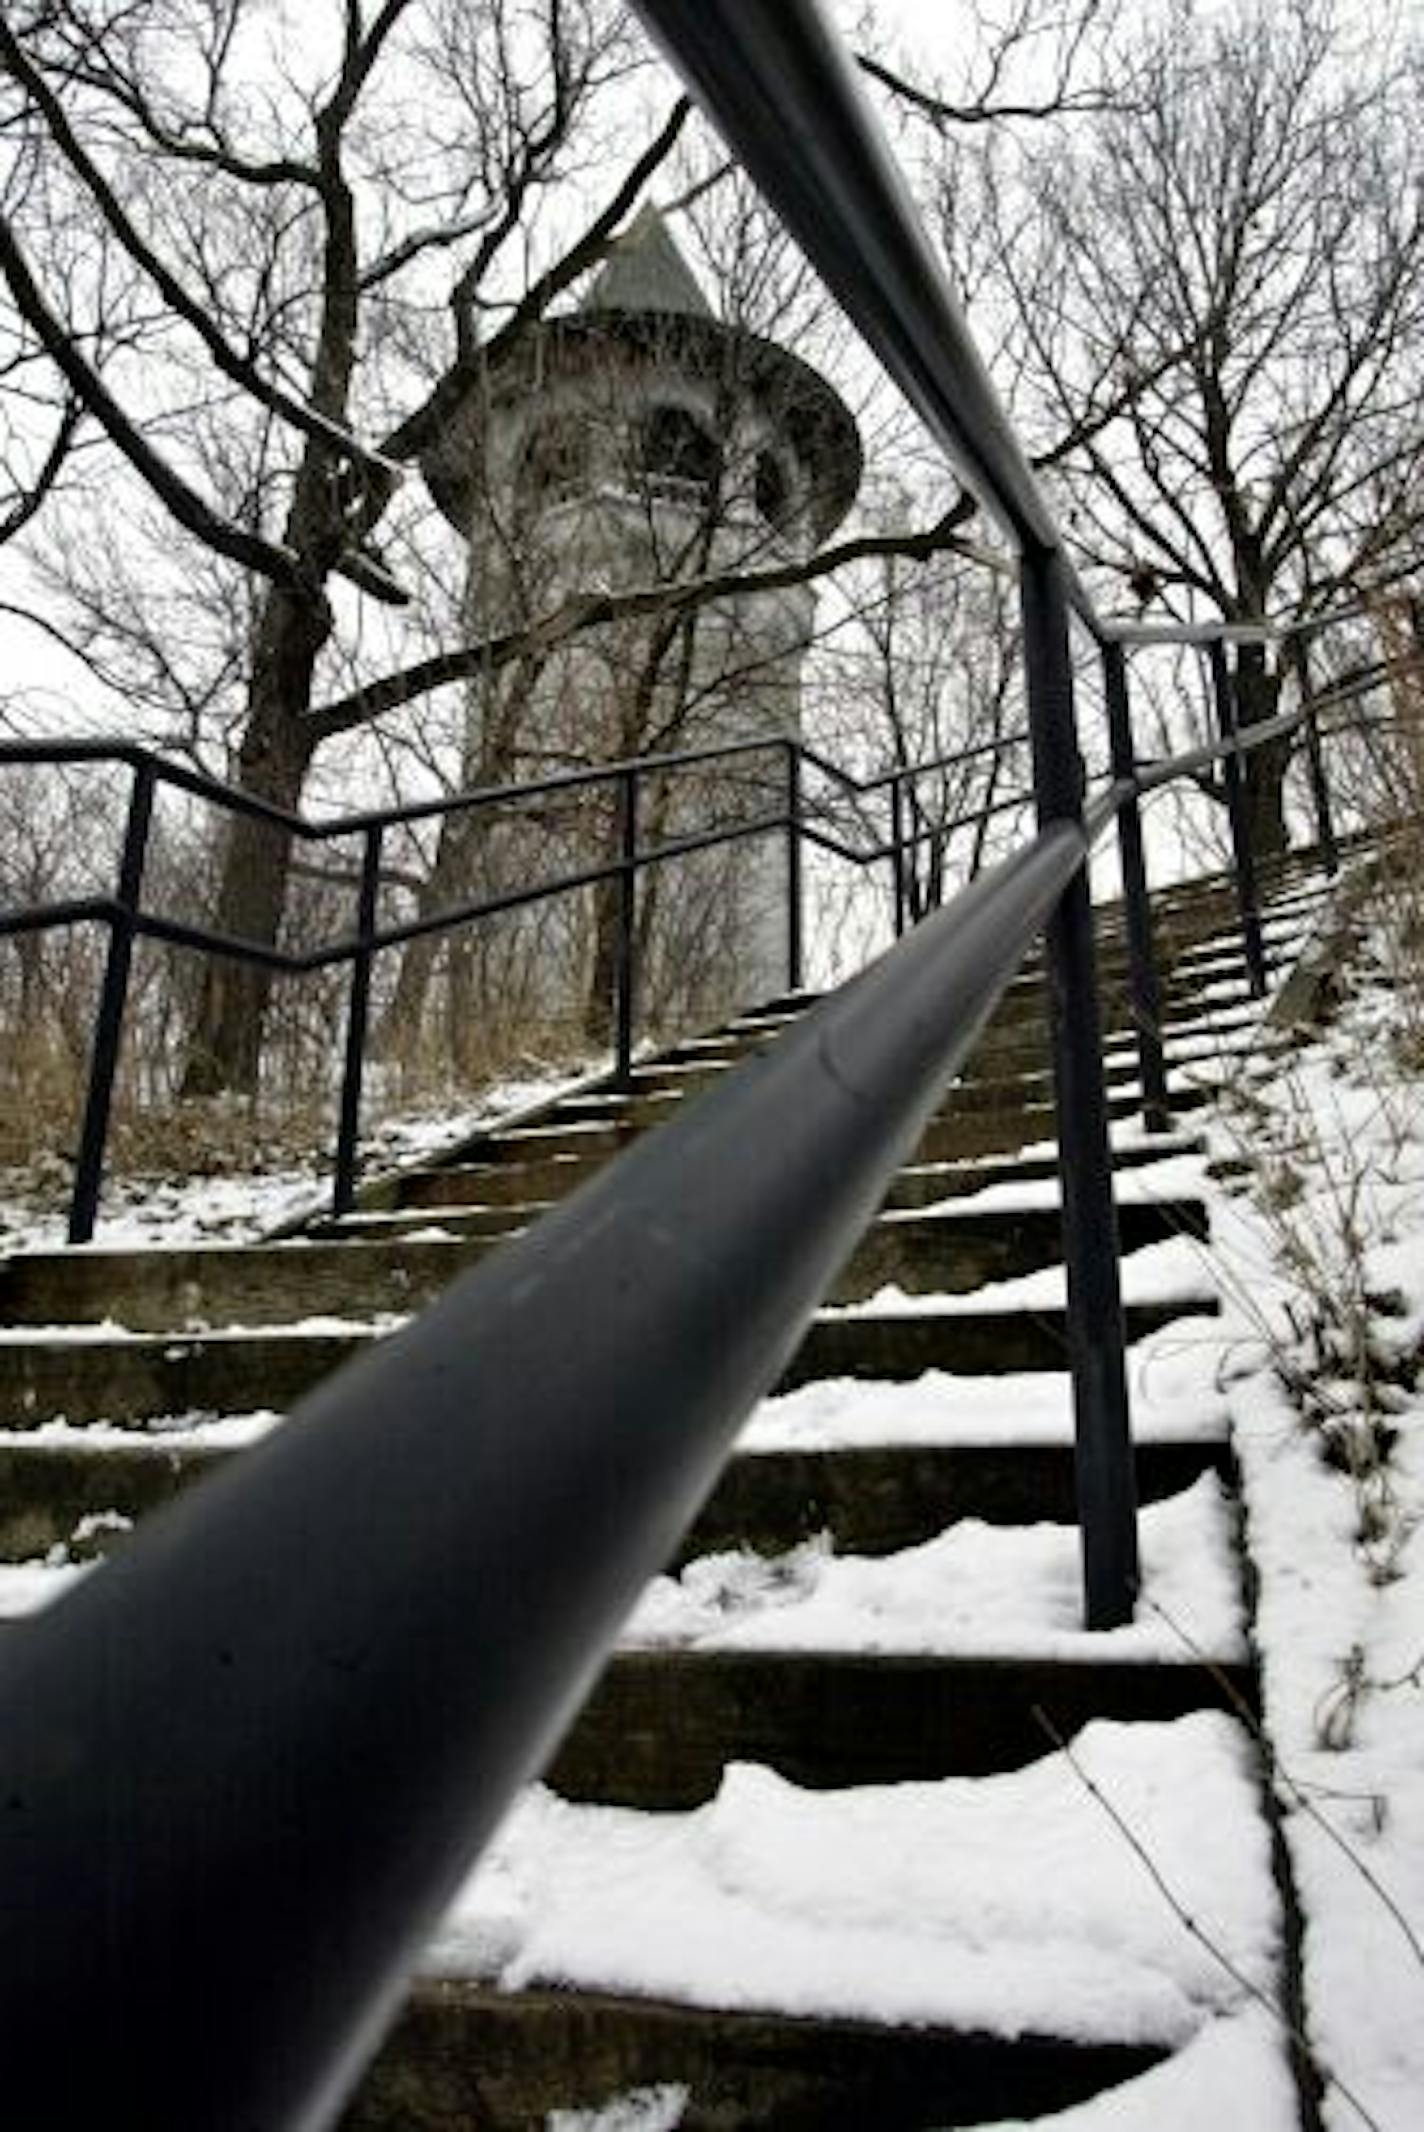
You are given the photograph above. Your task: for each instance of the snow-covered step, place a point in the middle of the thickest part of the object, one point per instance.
(544, 1157)
(198, 1287)
(559, 1159)
(465, 2054)
(923, 1183)
(904, 1344)
(937, 1659)
(660, 1726)
(98, 1373)
(890, 1957)
(877, 1468)
(101, 1374)
(491, 1216)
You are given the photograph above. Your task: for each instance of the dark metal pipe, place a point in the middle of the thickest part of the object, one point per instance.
(358, 1011)
(109, 1022)
(1243, 851)
(781, 91)
(1152, 775)
(1107, 1493)
(246, 1763)
(795, 886)
(897, 856)
(69, 910)
(906, 773)
(1137, 907)
(232, 797)
(1315, 757)
(625, 966)
(450, 915)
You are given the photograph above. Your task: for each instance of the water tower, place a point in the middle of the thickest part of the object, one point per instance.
(642, 440)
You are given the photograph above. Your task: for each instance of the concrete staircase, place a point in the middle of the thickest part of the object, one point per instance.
(116, 1369)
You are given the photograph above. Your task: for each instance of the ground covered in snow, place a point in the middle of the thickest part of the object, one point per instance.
(1322, 1265)
(892, 1902)
(253, 1194)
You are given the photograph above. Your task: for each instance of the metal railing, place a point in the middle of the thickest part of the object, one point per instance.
(790, 817)
(249, 1760)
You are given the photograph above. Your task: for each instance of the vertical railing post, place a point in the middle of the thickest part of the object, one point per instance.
(113, 1002)
(1137, 908)
(795, 950)
(625, 973)
(1106, 1486)
(358, 1012)
(897, 851)
(1243, 851)
(1315, 759)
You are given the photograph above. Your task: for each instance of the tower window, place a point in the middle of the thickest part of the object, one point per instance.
(673, 446)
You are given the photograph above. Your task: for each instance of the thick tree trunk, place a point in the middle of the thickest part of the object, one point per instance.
(1258, 699)
(599, 1017)
(225, 1048)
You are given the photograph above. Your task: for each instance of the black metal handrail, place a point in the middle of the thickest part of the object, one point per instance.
(128, 921)
(299, 1702)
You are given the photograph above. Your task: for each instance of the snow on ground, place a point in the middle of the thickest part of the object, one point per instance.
(1323, 1282)
(1174, 1377)
(892, 1902)
(976, 1590)
(147, 1210)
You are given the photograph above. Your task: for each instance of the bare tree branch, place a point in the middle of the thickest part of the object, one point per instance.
(193, 315)
(186, 505)
(587, 611)
(420, 429)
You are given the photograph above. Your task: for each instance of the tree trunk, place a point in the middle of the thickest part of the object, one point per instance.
(225, 1048)
(1258, 699)
(599, 1017)
(456, 866)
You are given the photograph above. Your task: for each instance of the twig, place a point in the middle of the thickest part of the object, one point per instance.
(1294, 1790)
(1184, 1917)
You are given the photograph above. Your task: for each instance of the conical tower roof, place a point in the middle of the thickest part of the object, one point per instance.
(645, 299)
(646, 271)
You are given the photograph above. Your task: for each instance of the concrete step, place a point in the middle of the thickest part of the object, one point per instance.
(499, 1219)
(922, 1184)
(82, 1496)
(463, 2056)
(981, 1343)
(204, 1286)
(129, 1379)
(546, 1162)
(654, 1097)
(916, 1185)
(661, 1725)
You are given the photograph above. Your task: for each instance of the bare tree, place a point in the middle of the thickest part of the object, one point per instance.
(264, 252)
(1246, 249)
(266, 233)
